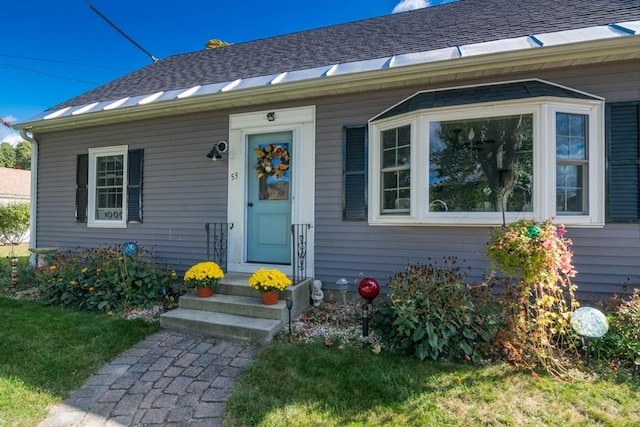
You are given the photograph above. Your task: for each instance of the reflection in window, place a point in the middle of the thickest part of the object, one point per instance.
(481, 165)
(571, 163)
(395, 170)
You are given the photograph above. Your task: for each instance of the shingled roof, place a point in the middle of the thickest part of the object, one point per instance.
(454, 24)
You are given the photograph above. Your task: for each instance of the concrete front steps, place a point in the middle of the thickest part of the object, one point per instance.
(236, 311)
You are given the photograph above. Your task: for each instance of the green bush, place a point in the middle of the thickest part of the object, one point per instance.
(621, 344)
(14, 222)
(432, 313)
(104, 279)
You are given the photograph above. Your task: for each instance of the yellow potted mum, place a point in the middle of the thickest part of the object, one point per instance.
(205, 276)
(270, 283)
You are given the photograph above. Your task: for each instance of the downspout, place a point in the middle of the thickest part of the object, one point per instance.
(34, 193)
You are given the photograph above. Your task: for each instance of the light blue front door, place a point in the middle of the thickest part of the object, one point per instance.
(269, 198)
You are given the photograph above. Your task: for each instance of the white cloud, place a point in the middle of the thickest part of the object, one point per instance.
(7, 134)
(406, 5)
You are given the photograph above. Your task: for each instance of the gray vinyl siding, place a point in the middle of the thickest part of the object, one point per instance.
(183, 190)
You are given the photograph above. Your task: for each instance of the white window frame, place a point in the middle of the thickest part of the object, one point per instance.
(544, 112)
(94, 154)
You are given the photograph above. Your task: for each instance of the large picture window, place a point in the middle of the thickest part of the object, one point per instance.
(479, 164)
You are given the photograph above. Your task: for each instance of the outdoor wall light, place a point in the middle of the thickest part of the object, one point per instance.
(217, 150)
(271, 116)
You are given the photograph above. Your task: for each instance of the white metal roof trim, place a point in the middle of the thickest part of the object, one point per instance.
(504, 45)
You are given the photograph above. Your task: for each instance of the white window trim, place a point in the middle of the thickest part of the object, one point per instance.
(544, 161)
(94, 153)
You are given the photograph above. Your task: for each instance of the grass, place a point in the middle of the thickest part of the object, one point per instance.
(46, 352)
(21, 250)
(310, 384)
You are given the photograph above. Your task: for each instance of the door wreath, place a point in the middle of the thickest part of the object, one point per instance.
(273, 160)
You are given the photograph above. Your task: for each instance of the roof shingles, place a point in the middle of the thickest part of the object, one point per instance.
(452, 24)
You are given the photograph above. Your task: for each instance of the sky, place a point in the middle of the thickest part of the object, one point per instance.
(52, 51)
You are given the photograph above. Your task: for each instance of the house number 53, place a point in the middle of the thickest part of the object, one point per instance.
(234, 176)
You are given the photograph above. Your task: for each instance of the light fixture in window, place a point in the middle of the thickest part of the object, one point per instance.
(217, 150)
(271, 116)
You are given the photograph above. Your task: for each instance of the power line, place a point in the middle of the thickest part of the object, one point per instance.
(53, 61)
(125, 35)
(48, 74)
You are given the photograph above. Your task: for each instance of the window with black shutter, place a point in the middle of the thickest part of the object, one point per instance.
(82, 183)
(135, 160)
(355, 173)
(134, 189)
(623, 162)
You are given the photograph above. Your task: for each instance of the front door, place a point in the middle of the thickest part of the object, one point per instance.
(269, 198)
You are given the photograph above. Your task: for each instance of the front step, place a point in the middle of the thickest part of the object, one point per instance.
(236, 311)
(220, 325)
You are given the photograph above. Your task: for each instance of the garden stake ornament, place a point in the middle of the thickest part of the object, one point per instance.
(368, 289)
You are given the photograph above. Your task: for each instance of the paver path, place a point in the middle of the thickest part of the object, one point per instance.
(168, 379)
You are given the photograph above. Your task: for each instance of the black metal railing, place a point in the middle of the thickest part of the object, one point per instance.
(217, 241)
(299, 233)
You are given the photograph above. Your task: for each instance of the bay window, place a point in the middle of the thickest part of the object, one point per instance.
(487, 163)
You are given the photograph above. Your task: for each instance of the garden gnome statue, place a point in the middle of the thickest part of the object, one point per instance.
(317, 295)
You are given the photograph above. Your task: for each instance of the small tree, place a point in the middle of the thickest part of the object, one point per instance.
(14, 221)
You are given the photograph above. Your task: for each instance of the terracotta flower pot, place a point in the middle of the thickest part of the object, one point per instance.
(269, 298)
(204, 292)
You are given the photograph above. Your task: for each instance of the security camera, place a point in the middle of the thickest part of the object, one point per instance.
(222, 146)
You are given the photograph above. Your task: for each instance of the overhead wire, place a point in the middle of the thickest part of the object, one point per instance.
(53, 61)
(48, 74)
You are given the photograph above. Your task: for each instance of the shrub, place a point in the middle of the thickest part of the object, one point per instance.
(14, 222)
(430, 313)
(621, 344)
(538, 306)
(104, 279)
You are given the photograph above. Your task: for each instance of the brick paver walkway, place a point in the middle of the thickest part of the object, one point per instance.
(168, 379)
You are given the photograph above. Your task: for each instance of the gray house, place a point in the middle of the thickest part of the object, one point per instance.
(364, 146)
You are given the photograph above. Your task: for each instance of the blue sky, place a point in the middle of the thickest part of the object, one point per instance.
(51, 51)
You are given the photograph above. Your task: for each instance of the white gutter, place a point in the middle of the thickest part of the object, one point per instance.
(34, 193)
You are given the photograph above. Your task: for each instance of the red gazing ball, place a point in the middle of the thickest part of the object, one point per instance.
(368, 288)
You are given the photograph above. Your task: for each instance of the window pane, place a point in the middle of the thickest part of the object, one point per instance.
(570, 189)
(481, 165)
(571, 136)
(395, 169)
(109, 187)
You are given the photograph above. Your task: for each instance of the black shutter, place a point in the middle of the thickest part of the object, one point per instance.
(623, 162)
(134, 189)
(82, 182)
(355, 173)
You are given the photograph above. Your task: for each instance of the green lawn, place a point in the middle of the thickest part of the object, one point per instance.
(46, 352)
(314, 385)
